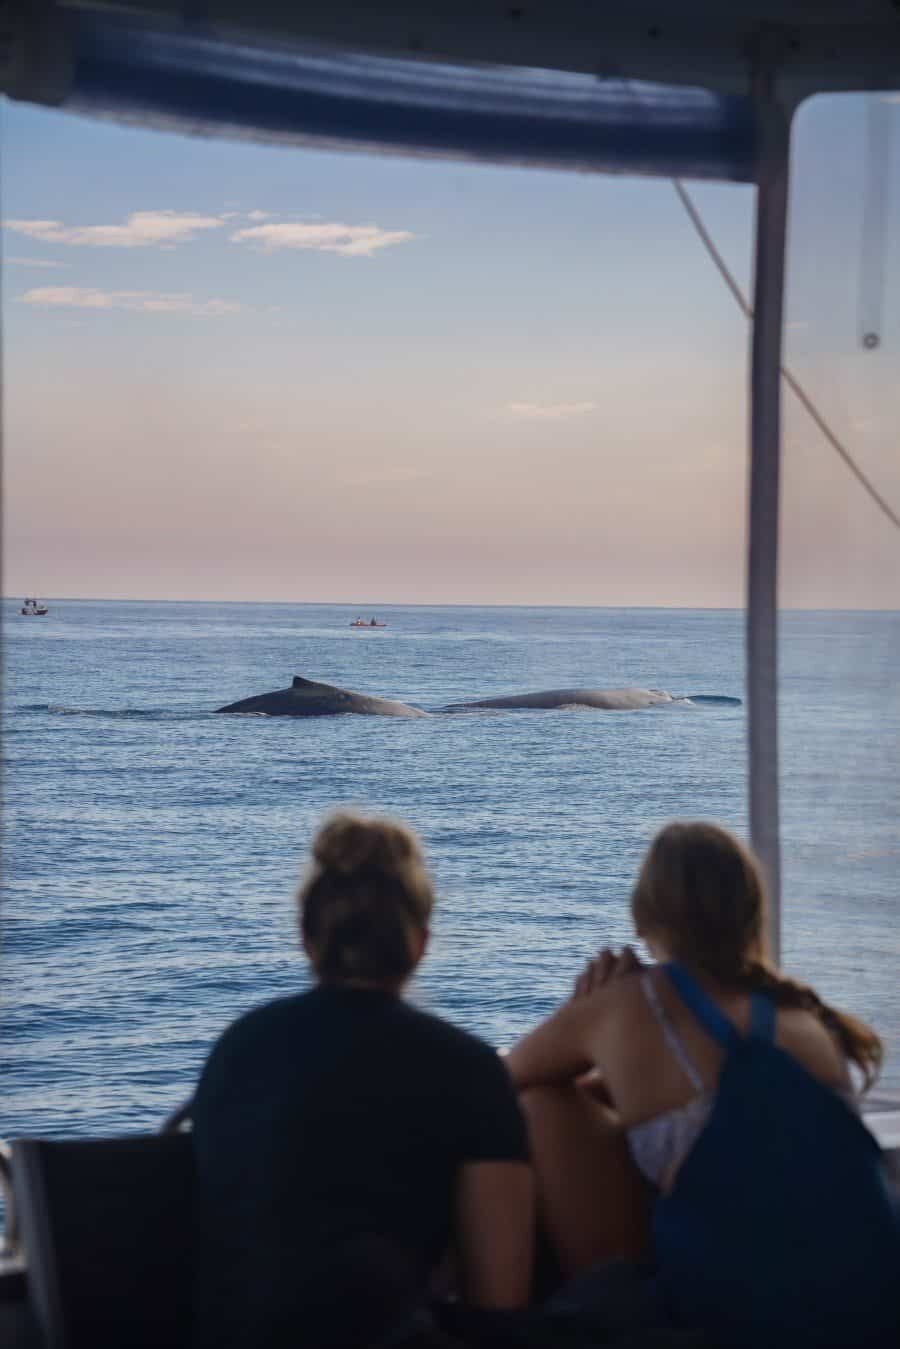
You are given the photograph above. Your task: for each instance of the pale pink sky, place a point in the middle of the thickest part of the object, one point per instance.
(237, 373)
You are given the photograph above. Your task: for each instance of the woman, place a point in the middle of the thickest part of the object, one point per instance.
(649, 1100)
(345, 1139)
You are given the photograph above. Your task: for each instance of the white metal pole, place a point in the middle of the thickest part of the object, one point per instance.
(765, 456)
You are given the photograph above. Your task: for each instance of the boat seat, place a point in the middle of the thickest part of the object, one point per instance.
(106, 1226)
(106, 1229)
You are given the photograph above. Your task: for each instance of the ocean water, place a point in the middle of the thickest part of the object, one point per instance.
(151, 848)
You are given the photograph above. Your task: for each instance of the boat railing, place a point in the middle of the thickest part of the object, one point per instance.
(10, 1244)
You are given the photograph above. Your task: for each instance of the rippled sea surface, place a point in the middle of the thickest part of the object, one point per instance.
(152, 847)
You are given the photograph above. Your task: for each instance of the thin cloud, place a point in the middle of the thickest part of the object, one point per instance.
(550, 410)
(352, 240)
(258, 215)
(140, 301)
(34, 262)
(142, 229)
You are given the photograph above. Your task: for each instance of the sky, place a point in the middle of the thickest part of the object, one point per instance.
(252, 373)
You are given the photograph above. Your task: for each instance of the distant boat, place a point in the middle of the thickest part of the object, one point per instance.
(362, 623)
(33, 609)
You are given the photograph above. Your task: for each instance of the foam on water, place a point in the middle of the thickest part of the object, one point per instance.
(146, 713)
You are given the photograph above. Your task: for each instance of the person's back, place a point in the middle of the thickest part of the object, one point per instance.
(780, 1225)
(341, 1136)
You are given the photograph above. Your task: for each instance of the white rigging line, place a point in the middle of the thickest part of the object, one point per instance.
(793, 384)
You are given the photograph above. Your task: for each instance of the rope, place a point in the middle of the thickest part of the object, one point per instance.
(793, 384)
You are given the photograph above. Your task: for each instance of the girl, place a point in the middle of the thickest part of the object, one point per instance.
(711, 1096)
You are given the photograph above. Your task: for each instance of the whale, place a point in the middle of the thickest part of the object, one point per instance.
(307, 698)
(610, 700)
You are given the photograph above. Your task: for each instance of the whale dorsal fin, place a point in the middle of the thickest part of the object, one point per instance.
(298, 682)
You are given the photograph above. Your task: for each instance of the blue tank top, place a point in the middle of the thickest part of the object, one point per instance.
(781, 1227)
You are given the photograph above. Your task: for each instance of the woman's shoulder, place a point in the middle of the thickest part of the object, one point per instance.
(245, 1045)
(262, 1021)
(445, 1036)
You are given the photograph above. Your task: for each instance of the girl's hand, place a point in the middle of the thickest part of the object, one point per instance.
(604, 967)
(593, 1085)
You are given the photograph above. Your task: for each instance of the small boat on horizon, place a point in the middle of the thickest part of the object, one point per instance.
(33, 609)
(360, 622)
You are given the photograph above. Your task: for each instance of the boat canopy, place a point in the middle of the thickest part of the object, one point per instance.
(658, 89)
(57, 51)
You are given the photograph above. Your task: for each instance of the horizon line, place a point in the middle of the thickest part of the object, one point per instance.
(455, 604)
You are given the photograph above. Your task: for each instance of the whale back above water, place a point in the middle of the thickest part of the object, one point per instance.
(611, 700)
(307, 698)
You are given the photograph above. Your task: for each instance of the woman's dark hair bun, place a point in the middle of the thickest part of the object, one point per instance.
(347, 842)
(364, 899)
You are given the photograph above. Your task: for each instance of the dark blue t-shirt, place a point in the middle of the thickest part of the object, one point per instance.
(327, 1120)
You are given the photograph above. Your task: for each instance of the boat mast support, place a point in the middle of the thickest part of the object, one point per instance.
(764, 491)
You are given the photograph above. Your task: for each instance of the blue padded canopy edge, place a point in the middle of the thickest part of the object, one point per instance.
(196, 80)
